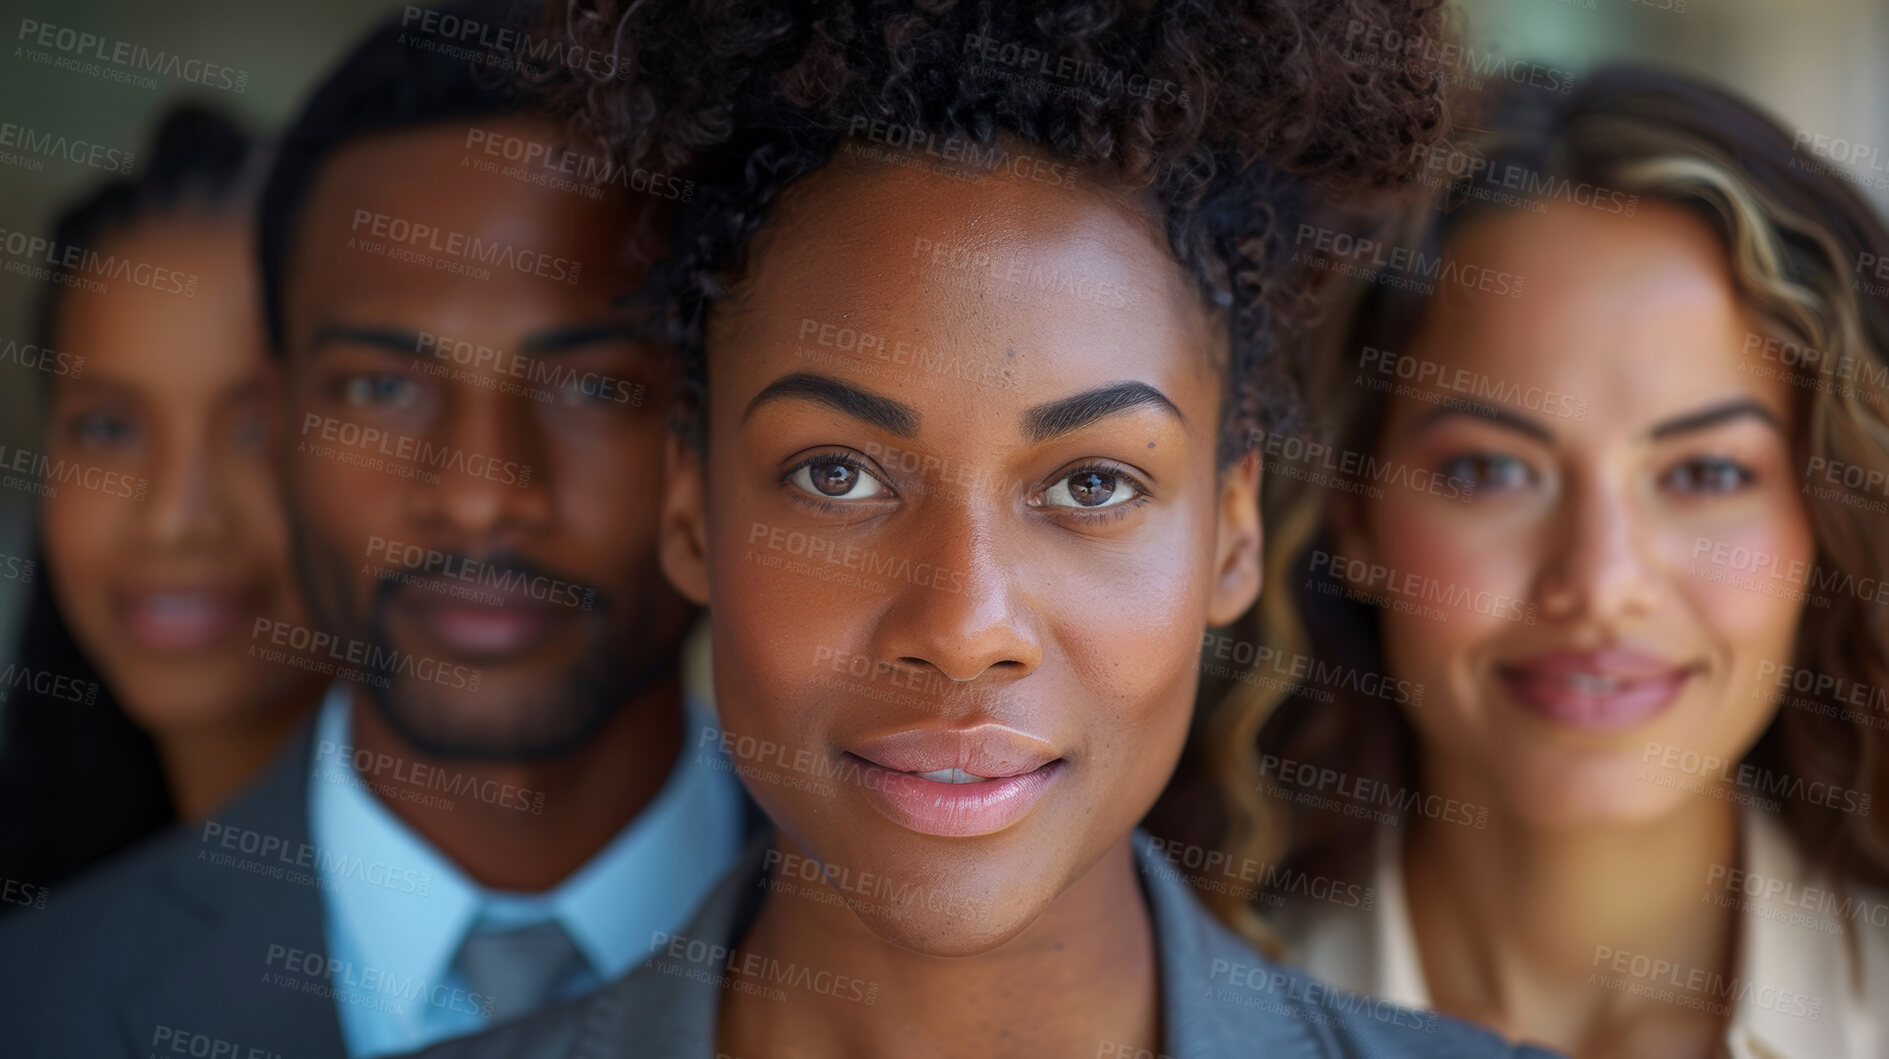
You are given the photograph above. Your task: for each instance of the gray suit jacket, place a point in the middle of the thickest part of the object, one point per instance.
(1220, 998)
(174, 941)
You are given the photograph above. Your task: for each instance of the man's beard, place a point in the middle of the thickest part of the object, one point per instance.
(549, 721)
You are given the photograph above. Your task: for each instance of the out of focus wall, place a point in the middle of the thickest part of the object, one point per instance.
(1819, 66)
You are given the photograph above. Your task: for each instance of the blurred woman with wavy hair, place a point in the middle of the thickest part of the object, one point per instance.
(1582, 603)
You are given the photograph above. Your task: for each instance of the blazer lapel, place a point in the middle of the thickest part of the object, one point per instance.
(239, 933)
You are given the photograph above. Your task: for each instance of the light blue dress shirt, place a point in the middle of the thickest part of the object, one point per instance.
(396, 909)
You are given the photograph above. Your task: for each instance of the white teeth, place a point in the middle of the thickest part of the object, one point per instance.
(953, 776)
(1594, 683)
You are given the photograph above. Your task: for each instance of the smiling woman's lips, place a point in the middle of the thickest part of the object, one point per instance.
(179, 619)
(1599, 690)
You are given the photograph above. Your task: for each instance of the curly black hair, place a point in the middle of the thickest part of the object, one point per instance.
(1233, 114)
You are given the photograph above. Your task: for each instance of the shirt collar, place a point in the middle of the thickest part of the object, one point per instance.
(413, 929)
(648, 878)
(1794, 966)
(1793, 996)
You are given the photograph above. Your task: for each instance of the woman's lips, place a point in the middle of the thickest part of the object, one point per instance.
(1598, 690)
(179, 619)
(956, 783)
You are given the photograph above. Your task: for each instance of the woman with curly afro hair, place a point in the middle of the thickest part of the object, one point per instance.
(979, 305)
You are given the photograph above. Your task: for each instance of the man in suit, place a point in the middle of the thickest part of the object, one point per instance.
(505, 792)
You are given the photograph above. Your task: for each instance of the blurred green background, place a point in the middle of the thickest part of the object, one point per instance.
(1816, 64)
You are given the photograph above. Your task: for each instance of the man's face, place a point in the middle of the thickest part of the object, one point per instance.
(475, 442)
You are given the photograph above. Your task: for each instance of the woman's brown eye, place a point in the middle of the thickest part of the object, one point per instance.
(836, 480)
(1090, 489)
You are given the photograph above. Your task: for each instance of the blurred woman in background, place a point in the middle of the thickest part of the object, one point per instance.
(1593, 623)
(162, 538)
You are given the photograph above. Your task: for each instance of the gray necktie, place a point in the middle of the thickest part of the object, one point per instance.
(517, 971)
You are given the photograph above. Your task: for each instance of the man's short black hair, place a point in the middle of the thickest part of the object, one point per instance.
(406, 73)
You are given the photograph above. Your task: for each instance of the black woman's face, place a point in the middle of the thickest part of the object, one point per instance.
(960, 526)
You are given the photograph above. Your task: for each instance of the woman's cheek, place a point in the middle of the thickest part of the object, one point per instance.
(1746, 577)
(82, 531)
(1475, 568)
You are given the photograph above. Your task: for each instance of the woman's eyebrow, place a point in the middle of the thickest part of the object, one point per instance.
(1714, 415)
(893, 417)
(1058, 417)
(1499, 416)
(392, 339)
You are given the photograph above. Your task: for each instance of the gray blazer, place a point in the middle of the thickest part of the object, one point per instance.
(1220, 998)
(173, 942)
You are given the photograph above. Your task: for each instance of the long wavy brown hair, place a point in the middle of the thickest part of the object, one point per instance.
(1803, 246)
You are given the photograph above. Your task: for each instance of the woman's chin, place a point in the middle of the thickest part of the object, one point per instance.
(944, 934)
(1589, 793)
